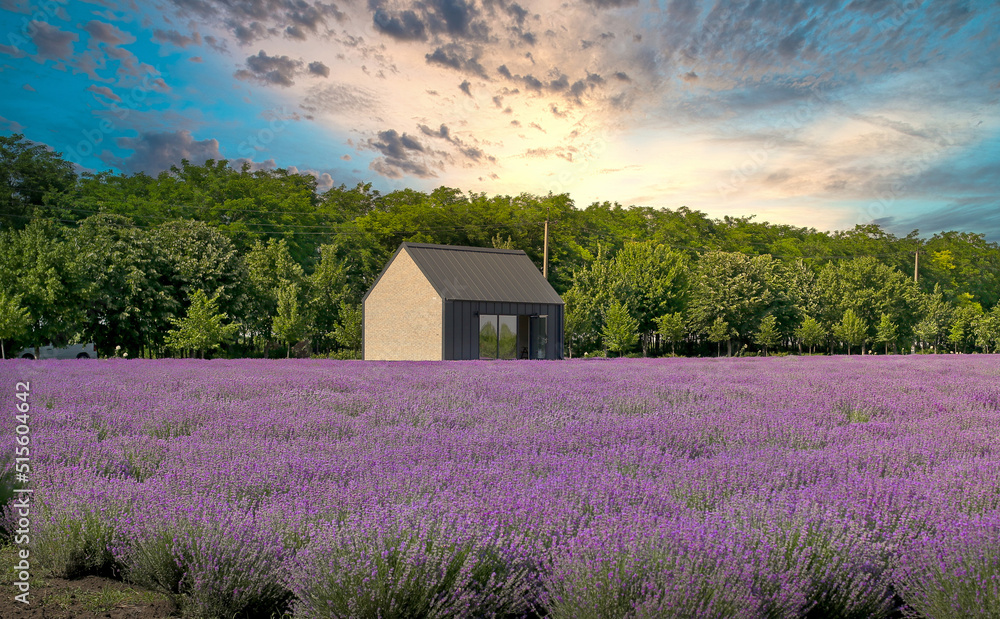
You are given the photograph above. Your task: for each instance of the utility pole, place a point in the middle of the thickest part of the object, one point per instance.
(916, 262)
(545, 251)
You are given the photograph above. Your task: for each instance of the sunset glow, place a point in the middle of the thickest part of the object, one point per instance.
(813, 114)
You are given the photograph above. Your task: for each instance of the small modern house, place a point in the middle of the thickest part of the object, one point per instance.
(435, 302)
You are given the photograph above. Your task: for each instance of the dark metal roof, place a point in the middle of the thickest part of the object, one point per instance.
(481, 274)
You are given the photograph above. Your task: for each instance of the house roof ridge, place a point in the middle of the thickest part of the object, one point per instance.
(490, 250)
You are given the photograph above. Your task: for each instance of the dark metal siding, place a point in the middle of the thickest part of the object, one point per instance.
(461, 325)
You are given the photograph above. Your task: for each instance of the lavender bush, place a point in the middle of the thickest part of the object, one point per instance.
(412, 566)
(779, 487)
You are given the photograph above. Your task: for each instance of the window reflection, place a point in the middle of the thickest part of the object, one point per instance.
(501, 335)
(487, 336)
(508, 337)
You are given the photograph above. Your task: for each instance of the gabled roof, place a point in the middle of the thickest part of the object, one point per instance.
(481, 274)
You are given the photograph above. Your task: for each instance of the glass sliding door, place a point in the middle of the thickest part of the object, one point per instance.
(487, 336)
(539, 336)
(508, 337)
(497, 336)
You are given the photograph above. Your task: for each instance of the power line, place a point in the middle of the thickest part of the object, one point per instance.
(351, 229)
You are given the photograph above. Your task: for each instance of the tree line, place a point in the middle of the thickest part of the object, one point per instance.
(208, 259)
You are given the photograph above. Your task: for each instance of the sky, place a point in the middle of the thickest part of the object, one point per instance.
(821, 114)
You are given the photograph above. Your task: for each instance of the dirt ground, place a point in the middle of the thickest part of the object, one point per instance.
(87, 598)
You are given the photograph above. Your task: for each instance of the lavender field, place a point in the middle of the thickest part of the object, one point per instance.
(781, 487)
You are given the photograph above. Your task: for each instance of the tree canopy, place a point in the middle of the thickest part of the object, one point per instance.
(116, 259)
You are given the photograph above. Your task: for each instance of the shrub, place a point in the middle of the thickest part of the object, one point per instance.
(596, 575)
(953, 572)
(7, 486)
(218, 566)
(78, 543)
(410, 568)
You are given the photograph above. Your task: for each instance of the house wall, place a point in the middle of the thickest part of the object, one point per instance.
(461, 319)
(402, 315)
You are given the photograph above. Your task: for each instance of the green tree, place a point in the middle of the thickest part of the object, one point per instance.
(740, 290)
(962, 263)
(270, 269)
(128, 297)
(246, 205)
(198, 256)
(41, 264)
(964, 319)
(620, 329)
(937, 315)
(33, 181)
(719, 332)
(14, 319)
(203, 328)
(579, 320)
(869, 288)
(348, 331)
(290, 323)
(811, 333)
(671, 329)
(886, 332)
(851, 330)
(926, 332)
(768, 334)
(651, 280)
(328, 292)
(987, 330)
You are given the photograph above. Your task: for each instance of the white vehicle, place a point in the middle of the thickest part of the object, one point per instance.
(73, 351)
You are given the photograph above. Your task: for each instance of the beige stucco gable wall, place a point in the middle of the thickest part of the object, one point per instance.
(403, 315)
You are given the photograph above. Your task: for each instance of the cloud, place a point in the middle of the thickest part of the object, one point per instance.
(11, 125)
(442, 132)
(323, 179)
(176, 38)
(454, 19)
(981, 214)
(473, 153)
(12, 51)
(455, 56)
(16, 6)
(218, 45)
(558, 82)
(277, 70)
(104, 91)
(458, 18)
(260, 19)
(156, 152)
(340, 98)
(320, 69)
(52, 43)
(401, 155)
(565, 153)
(403, 25)
(392, 144)
(102, 32)
(664, 71)
(130, 66)
(611, 4)
(253, 166)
